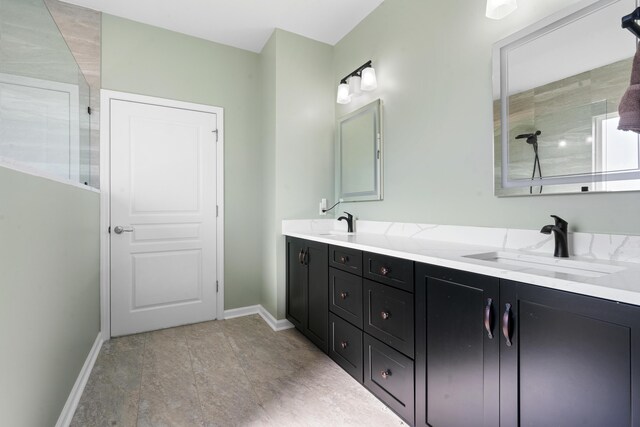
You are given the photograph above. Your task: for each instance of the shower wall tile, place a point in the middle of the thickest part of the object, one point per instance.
(81, 29)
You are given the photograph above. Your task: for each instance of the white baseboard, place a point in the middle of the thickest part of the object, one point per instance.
(76, 392)
(276, 325)
(241, 312)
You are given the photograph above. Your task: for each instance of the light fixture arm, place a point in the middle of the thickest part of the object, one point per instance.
(356, 72)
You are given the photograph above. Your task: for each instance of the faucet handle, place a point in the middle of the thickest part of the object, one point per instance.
(349, 215)
(559, 221)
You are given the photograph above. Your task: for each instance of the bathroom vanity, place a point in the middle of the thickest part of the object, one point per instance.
(443, 334)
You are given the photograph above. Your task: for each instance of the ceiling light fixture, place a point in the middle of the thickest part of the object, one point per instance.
(362, 78)
(498, 9)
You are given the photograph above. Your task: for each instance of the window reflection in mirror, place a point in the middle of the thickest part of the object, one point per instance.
(565, 77)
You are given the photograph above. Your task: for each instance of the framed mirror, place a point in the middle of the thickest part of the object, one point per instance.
(359, 154)
(557, 87)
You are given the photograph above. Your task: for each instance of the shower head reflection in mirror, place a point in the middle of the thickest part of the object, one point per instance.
(565, 74)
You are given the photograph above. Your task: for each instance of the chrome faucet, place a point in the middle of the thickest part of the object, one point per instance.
(560, 231)
(349, 219)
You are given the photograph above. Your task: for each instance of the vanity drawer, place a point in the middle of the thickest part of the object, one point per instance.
(388, 316)
(389, 376)
(345, 346)
(346, 259)
(391, 271)
(346, 296)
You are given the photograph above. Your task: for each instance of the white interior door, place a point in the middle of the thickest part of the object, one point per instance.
(163, 199)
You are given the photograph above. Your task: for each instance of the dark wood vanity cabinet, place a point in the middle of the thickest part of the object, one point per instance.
(444, 347)
(498, 353)
(457, 348)
(308, 289)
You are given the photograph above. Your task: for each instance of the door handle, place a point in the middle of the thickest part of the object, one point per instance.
(488, 318)
(506, 324)
(118, 229)
(305, 257)
(300, 256)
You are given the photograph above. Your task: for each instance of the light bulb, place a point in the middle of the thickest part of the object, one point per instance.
(368, 81)
(343, 94)
(498, 9)
(354, 85)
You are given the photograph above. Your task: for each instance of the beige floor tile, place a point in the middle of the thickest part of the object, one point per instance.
(111, 395)
(236, 372)
(168, 394)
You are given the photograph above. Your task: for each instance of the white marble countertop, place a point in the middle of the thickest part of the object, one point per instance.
(623, 285)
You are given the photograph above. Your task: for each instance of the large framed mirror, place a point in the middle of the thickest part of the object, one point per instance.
(557, 87)
(359, 154)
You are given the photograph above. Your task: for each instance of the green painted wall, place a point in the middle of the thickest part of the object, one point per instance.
(147, 60)
(434, 76)
(298, 172)
(269, 289)
(49, 294)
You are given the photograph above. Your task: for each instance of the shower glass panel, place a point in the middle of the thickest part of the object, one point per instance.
(44, 97)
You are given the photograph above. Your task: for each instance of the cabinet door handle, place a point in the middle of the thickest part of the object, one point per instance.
(344, 295)
(506, 324)
(384, 271)
(305, 258)
(488, 318)
(300, 260)
(344, 344)
(344, 259)
(385, 315)
(385, 374)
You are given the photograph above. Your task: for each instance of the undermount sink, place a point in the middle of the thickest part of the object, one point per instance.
(557, 265)
(336, 233)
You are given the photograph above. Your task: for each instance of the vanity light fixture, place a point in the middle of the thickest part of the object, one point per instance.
(363, 78)
(498, 9)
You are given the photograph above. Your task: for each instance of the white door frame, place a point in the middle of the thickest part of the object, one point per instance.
(105, 195)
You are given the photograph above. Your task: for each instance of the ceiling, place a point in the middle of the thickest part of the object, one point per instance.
(246, 24)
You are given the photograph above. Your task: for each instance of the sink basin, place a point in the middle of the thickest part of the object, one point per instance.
(557, 265)
(336, 233)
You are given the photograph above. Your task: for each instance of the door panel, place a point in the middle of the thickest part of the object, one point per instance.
(457, 371)
(296, 283)
(576, 358)
(154, 276)
(163, 189)
(317, 260)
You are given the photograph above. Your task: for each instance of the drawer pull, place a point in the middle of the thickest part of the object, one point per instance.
(384, 271)
(344, 295)
(344, 344)
(488, 318)
(385, 374)
(506, 324)
(385, 315)
(343, 259)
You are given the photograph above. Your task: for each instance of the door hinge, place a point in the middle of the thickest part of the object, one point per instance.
(217, 213)
(89, 110)
(109, 230)
(216, 132)
(217, 286)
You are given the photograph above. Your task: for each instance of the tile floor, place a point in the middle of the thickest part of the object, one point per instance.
(234, 372)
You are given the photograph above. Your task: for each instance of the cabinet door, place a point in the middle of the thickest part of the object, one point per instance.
(316, 259)
(457, 348)
(574, 360)
(296, 283)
